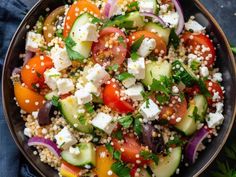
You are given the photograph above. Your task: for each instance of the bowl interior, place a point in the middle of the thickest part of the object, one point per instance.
(190, 7)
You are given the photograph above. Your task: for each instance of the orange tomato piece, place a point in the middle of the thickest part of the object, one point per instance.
(76, 9)
(160, 43)
(104, 162)
(68, 170)
(27, 99)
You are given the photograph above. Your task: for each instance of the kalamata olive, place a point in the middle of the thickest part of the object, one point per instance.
(152, 138)
(44, 115)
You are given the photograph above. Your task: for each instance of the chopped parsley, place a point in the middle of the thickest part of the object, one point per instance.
(145, 96)
(149, 156)
(59, 33)
(39, 25)
(134, 56)
(82, 119)
(195, 115)
(96, 20)
(117, 155)
(137, 126)
(89, 107)
(124, 76)
(121, 39)
(174, 39)
(73, 55)
(163, 99)
(133, 5)
(164, 85)
(114, 67)
(55, 100)
(176, 141)
(120, 169)
(135, 46)
(109, 148)
(118, 135)
(126, 121)
(195, 65)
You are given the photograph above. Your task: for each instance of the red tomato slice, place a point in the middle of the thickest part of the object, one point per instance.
(130, 150)
(213, 88)
(111, 98)
(194, 43)
(175, 110)
(111, 47)
(133, 171)
(69, 170)
(32, 72)
(191, 91)
(160, 43)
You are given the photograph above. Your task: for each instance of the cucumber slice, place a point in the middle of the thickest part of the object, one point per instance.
(84, 47)
(138, 21)
(155, 69)
(50, 95)
(187, 125)
(201, 103)
(69, 108)
(167, 165)
(183, 73)
(87, 155)
(143, 173)
(157, 28)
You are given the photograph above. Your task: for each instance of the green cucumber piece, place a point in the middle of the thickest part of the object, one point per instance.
(187, 125)
(168, 164)
(87, 155)
(49, 95)
(69, 108)
(154, 70)
(200, 102)
(181, 72)
(157, 28)
(82, 47)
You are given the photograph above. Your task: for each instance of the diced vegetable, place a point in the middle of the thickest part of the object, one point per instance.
(68, 170)
(44, 114)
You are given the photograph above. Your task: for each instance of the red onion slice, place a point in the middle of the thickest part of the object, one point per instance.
(155, 18)
(109, 8)
(35, 141)
(28, 55)
(16, 71)
(178, 8)
(193, 144)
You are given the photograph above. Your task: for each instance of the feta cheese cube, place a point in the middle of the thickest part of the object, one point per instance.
(135, 92)
(219, 107)
(91, 88)
(97, 75)
(172, 19)
(51, 76)
(83, 96)
(28, 132)
(146, 47)
(146, 6)
(214, 119)
(74, 150)
(194, 26)
(129, 82)
(87, 32)
(60, 58)
(175, 89)
(65, 139)
(204, 72)
(64, 86)
(149, 110)
(137, 68)
(34, 41)
(217, 77)
(104, 122)
(164, 8)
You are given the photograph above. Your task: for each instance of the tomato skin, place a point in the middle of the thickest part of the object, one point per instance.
(194, 40)
(32, 72)
(191, 91)
(133, 171)
(112, 99)
(213, 87)
(160, 43)
(103, 54)
(68, 170)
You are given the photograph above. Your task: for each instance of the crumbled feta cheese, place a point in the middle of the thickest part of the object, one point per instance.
(35, 114)
(34, 41)
(104, 122)
(216, 96)
(65, 139)
(149, 110)
(83, 96)
(64, 86)
(219, 107)
(28, 132)
(172, 19)
(60, 58)
(74, 150)
(214, 119)
(91, 88)
(217, 77)
(164, 8)
(175, 89)
(87, 32)
(204, 72)
(129, 82)
(135, 92)
(137, 68)
(146, 47)
(51, 76)
(194, 26)
(97, 75)
(146, 6)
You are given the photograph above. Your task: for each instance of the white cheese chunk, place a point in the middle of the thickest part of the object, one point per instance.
(104, 122)
(175, 89)
(65, 139)
(129, 82)
(214, 119)
(164, 8)
(83, 96)
(64, 86)
(135, 92)
(91, 88)
(219, 107)
(172, 19)
(34, 41)
(204, 72)
(194, 26)
(51, 76)
(87, 32)
(74, 150)
(97, 75)
(146, 6)
(28, 132)
(146, 47)
(60, 58)
(217, 77)
(149, 110)
(137, 68)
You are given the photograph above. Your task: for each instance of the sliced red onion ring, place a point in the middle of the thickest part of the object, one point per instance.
(35, 141)
(16, 71)
(155, 18)
(181, 17)
(109, 8)
(193, 144)
(28, 55)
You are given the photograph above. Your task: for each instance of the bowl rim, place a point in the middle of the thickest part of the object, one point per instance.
(9, 123)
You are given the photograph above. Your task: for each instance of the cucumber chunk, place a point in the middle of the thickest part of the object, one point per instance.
(69, 108)
(187, 125)
(167, 165)
(155, 69)
(50, 95)
(143, 173)
(157, 28)
(201, 103)
(87, 155)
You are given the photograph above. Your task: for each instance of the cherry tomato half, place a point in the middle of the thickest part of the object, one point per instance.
(216, 92)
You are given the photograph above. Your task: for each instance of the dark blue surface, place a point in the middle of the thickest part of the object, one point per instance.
(11, 13)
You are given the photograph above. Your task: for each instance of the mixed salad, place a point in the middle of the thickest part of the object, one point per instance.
(119, 88)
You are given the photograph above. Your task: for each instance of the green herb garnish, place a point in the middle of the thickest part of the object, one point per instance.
(164, 85)
(134, 56)
(89, 107)
(135, 46)
(195, 65)
(149, 156)
(124, 76)
(55, 100)
(82, 119)
(126, 121)
(120, 169)
(174, 38)
(118, 135)
(137, 126)
(114, 67)
(73, 55)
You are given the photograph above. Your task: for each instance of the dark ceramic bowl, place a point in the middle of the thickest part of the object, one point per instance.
(225, 62)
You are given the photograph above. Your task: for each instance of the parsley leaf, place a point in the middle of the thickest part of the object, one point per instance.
(89, 107)
(55, 101)
(203, 88)
(118, 135)
(73, 55)
(120, 169)
(149, 156)
(145, 96)
(117, 155)
(163, 99)
(114, 67)
(124, 76)
(195, 114)
(135, 46)
(174, 38)
(59, 33)
(120, 39)
(39, 25)
(126, 121)
(134, 56)
(137, 126)
(82, 119)
(176, 141)
(195, 65)
(133, 5)
(96, 20)
(163, 85)
(109, 148)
